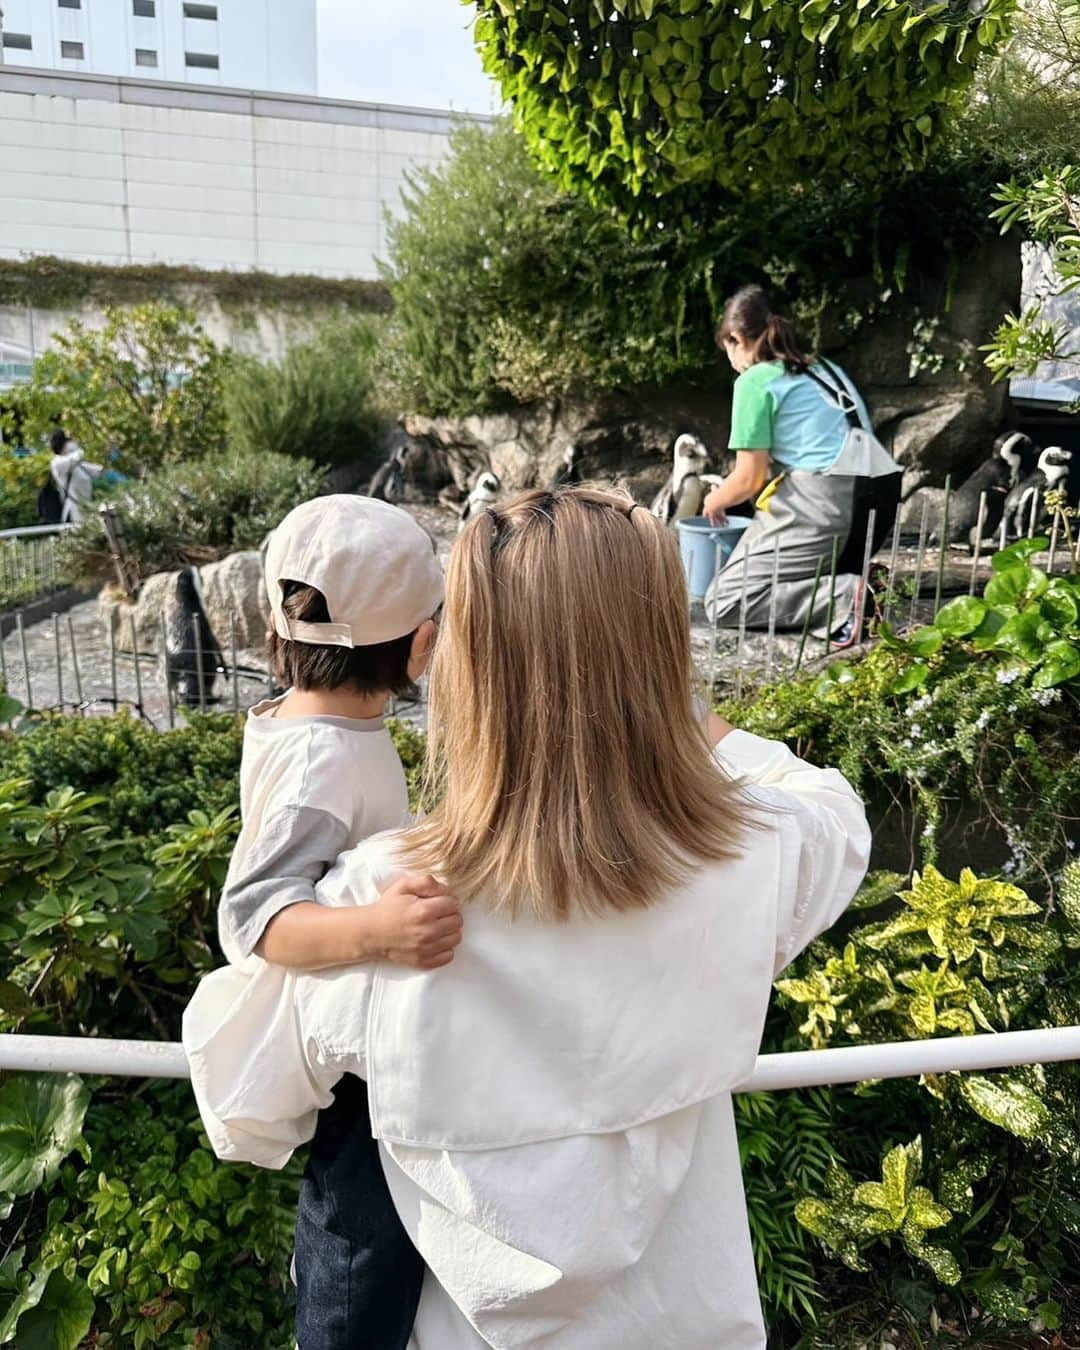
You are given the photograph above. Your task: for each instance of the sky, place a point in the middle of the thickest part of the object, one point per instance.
(414, 52)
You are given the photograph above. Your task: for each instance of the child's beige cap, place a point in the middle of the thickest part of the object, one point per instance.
(373, 563)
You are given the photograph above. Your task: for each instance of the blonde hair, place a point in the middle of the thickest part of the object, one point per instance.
(573, 774)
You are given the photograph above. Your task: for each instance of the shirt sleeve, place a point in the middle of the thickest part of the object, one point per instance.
(292, 851)
(824, 836)
(751, 413)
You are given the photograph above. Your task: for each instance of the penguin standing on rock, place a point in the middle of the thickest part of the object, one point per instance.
(995, 476)
(1027, 500)
(190, 642)
(569, 471)
(388, 483)
(483, 497)
(684, 492)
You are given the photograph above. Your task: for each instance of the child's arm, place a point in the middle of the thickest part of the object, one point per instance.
(415, 922)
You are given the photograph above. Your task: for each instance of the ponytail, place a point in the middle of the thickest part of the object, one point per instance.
(750, 316)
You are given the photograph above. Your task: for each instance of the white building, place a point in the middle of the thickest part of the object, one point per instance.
(245, 44)
(114, 170)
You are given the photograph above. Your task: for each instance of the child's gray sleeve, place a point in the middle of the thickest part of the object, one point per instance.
(289, 855)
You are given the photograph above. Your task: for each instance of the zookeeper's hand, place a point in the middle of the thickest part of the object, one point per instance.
(418, 923)
(713, 509)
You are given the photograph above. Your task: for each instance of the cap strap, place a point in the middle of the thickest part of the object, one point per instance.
(316, 634)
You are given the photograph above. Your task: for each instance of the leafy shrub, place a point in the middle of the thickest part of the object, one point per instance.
(197, 511)
(142, 391)
(21, 479)
(316, 402)
(660, 107)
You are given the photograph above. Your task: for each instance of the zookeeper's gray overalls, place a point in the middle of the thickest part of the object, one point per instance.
(805, 512)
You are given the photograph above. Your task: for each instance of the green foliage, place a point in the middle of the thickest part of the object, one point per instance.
(142, 391)
(507, 290)
(317, 401)
(21, 479)
(662, 106)
(40, 1124)
(65, 283)
(196, 511)
(1048, 211)
(150, 779)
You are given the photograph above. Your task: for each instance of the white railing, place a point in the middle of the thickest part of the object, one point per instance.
(32, 531)
(772, 1073)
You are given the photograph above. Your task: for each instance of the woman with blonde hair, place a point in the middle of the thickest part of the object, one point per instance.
(553, 1108)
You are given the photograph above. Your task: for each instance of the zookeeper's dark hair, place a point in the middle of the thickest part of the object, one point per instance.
(382, 668)
(750, 316)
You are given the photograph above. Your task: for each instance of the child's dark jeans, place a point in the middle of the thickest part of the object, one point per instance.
(357, 1274)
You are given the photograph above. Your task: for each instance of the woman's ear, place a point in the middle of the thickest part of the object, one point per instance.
(423, 640)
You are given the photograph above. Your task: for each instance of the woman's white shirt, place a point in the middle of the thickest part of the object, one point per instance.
(554, 1107)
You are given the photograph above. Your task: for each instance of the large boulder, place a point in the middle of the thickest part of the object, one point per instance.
(234, 589)
(143, 617)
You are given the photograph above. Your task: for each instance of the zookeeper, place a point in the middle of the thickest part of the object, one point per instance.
(806, 456)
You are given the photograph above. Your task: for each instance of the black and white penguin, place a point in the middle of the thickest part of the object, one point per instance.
(388, 482)
(1027, 500)
(483, 497)
(182, 656)
(569, 471)
(1011, 454)
(684, 492)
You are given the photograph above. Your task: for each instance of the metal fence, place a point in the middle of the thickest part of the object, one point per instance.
(772, 1073)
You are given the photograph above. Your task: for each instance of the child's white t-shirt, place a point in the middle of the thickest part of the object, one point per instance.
(310, 787)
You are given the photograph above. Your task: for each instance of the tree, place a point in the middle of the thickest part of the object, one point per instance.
(143, 390)
(663, 106)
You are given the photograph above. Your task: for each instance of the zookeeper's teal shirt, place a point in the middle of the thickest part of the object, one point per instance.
(788, 415)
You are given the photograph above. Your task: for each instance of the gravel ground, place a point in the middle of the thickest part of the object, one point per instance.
(94, 690)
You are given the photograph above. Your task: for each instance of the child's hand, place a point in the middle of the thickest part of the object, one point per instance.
(417, 923)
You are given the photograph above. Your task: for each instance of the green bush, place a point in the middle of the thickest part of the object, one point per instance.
(662, 108)
(21, 479)
(142, 391)
(317, 401)
(197, 511)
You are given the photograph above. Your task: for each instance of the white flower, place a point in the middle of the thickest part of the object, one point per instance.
(1044, 697)
(916, 730)
(982, 719)
(1008, 675)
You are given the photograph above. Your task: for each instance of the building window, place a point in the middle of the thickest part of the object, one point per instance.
(200, 11)
(69, 4)
(145, 57)
(71, 51)
(20, 42)
(143, 9)
(200, 61)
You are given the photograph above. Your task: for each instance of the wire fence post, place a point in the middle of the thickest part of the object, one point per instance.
(809, 614)
(894, 553)
(1034, 516)
(165, 671)
(75, 660)
(832, 593)
(138, 672)
(59, 662)
(977, 546)
(232, 658)
(740, 648)
(200, 678)
(25, 662)
(772, 606)
(940, 580)
(864, 589)
(920, 558)
(112, 657)
(1053, 542)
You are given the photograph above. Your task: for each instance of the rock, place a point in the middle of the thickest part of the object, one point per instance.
(234, 587)
(156, 597)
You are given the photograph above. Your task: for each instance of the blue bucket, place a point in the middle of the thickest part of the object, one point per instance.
(699, 545)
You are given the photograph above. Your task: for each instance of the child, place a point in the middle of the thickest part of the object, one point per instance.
(353, 586)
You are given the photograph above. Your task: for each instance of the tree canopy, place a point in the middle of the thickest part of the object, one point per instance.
(659, 107)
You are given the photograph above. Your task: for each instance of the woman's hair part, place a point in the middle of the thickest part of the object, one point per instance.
(750, 316)
(567, 769)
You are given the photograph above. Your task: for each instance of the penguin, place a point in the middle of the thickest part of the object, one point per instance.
(569, 471)
(1027, 500)
(684, 492)
(388, 483)
(186, 617)
(483, 497)
(994, 476)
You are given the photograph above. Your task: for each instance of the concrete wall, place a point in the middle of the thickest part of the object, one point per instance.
(247, 44)
(115, 170)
